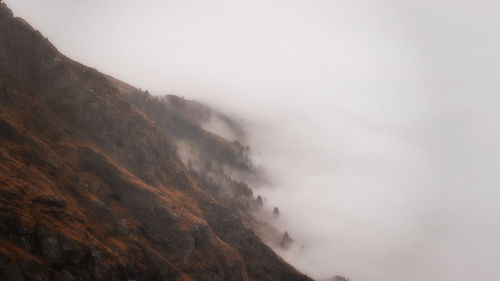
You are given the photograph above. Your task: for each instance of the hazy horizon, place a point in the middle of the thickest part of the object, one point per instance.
(376, 120)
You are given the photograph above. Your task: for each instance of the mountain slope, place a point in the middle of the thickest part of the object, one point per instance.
(93, 189)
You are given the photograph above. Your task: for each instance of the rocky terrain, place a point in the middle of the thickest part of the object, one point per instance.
(101, 181)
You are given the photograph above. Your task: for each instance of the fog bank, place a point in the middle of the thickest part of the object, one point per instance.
(376, 120)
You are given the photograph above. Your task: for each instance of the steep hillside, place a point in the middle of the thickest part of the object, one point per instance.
(92, 188)
(220, 167)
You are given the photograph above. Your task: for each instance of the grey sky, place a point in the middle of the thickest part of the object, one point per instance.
(376, 119)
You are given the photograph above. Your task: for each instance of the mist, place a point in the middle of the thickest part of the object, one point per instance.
(376, 121)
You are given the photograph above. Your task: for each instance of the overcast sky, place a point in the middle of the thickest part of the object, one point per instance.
(377, 120)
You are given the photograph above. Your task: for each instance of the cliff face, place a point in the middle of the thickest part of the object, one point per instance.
(93, 188)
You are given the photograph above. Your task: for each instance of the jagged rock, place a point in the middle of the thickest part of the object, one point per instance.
(47, 243)
(10, 194)
(202, 235)
(51, 201)
(102, 210)
(121, 228)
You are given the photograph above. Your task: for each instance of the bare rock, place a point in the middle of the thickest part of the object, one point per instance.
(50, 201)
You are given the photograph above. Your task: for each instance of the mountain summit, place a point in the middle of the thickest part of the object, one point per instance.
(101, 181)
